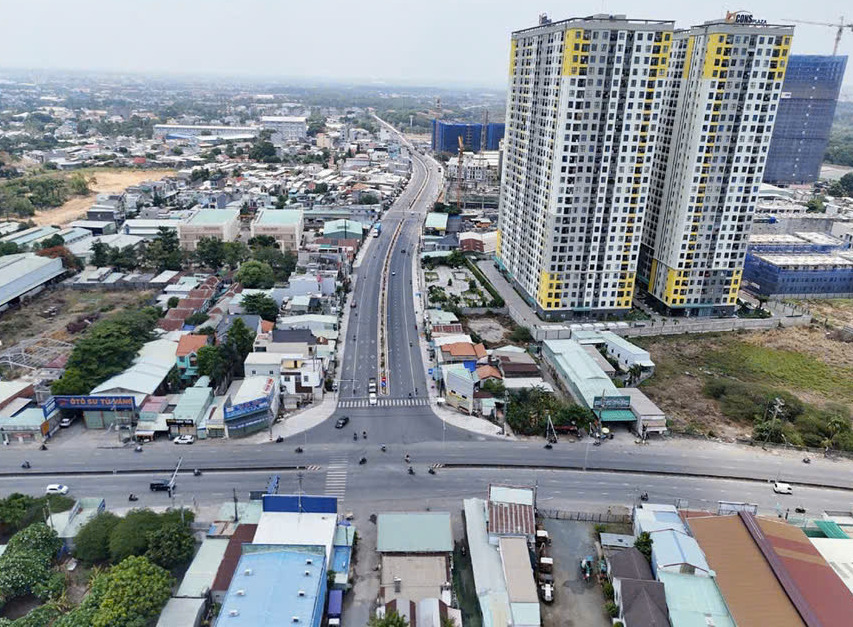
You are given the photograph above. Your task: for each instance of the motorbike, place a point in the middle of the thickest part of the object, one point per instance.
(431, 471)
(43, 447)
(597, 443)
(408, 459)
(800, 510)
(355, 436)
(133, 497)
(279, 440)
(362, 461)
(196, 472)
(364, 434)
(298, 449)
(411, 470)
(383, 448)
(138, 448)
(25, 465)
(806, 460)
(644, 496)
(549, 446)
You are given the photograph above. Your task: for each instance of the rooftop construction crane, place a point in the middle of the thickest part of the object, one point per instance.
(841, 25)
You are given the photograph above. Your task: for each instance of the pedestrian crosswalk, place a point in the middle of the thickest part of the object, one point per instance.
(336, 477)
(312, 468)
(352, 403)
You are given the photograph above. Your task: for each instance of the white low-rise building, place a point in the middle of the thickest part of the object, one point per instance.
(285, 226)
(24, 274)
(222, 224)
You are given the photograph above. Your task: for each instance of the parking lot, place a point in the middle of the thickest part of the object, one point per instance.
(576, 603)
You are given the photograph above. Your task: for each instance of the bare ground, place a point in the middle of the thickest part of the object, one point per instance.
(837, 311)
(105, 182)
(26, 323)
(678, 388)
(488, 328)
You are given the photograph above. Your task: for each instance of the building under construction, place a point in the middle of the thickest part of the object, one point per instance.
(446, 134)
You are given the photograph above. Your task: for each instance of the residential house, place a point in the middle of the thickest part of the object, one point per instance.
(287, 341)
(187, 355)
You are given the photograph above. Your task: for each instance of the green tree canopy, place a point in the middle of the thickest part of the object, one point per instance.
(92, 543)
(643, 544)
(256, 274)
(262, 305)
(134, 593)
(212, 363)
(171, 545)
(391, 619)
(130, 535)
(210, 252)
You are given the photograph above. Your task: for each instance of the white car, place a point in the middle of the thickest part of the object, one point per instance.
(184, 439)
(56, 488)
(371, 399)
(782, 488)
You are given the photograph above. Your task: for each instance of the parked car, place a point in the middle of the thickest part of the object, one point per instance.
(184, 439)
(341, 422)
(66, 422)
(56, 488)
(782, 488)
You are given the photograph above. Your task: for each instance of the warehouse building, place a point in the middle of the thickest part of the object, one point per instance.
(25, 274)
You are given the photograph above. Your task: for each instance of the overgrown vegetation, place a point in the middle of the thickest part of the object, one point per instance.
(18, 511)
(528, 410)
(781, 396)
(108, 348)
(25, 195)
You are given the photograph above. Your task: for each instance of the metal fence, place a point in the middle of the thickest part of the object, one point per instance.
(594, 517)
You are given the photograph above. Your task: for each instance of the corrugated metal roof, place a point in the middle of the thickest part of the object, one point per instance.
(511, 519)
(202, 571)
(753, 593)
(696, 601)
(486, 564)
(518, 571)
(414, 532)
(831, 529)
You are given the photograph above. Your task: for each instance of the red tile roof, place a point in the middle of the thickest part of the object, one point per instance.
(485, 372)
(170, 324)
(267, 326)
(190, 344)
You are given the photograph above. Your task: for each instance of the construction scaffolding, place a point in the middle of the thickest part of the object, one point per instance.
(34, 354)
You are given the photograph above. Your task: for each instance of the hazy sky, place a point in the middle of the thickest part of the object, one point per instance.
(428, 42)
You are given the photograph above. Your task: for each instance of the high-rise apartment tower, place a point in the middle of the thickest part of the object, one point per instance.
(717, 115)
(583, 102)
(633, 153)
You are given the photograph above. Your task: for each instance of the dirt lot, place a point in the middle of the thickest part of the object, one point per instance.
(26, 323)
(106, 181)
(576, 603)
(838, 311)
(490, 329)
(802, 361)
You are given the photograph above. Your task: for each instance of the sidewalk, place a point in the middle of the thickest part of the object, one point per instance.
(448, 416)
(519, 310)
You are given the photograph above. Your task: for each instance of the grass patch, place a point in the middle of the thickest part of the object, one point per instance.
(463, 586)
(796, 371)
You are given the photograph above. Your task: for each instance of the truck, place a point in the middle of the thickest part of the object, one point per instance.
(333, 609)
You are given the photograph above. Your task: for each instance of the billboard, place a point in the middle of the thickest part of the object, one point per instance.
(94, 403)
(611, 402)
(249, 407)
(49, 407)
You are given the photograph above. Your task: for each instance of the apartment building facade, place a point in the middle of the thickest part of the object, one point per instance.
(715, 124)
(581, 135)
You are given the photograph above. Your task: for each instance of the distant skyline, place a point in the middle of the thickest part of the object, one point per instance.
(450, 43)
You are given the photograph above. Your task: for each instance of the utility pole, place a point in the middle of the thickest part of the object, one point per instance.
(236, 515)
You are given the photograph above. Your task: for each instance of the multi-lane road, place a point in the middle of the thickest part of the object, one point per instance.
(612, 473)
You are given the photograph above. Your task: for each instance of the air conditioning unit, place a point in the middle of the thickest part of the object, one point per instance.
(309, 561)
(307, 573)
(234, 613)
(241, 593)
(248, 571)
(301, 593)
